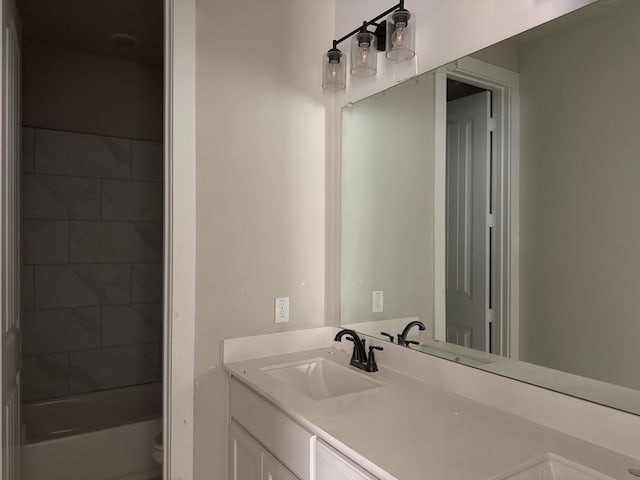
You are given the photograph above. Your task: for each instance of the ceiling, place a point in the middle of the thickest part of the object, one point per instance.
(456, 90)
(87, 25)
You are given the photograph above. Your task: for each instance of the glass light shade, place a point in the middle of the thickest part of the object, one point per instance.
(364, 54)
(334, 70)
(401, 36)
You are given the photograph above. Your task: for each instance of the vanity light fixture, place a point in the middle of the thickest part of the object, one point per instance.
(401, 36)
(364, 53)
(396, 35)
(334, 72)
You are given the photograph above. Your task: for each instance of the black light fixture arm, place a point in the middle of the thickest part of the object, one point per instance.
(373, 21)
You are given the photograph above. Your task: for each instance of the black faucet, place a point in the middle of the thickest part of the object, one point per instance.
(402, 337)
(359, 357)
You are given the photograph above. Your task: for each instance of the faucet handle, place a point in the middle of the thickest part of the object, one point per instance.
(411, 342)
(372, 366)
(387, 335)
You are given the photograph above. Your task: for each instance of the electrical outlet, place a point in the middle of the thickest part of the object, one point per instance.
(282, 310)
(377, 301)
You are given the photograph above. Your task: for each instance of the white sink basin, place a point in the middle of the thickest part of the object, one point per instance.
(319, 378)
(552, 467)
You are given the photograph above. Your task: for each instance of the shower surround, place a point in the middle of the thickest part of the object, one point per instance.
(92, 271)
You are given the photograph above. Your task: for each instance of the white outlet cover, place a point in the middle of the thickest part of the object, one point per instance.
(281, 313)
(377, 301)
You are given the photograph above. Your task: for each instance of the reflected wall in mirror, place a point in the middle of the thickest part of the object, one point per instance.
(495, 201)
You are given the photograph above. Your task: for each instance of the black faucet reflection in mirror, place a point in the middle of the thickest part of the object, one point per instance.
(359, 357)
(402, 337)
(387, 335)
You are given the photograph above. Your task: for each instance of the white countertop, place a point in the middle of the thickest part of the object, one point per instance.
(408, 429)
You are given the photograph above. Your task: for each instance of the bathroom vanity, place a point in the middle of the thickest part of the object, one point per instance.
(307, 414)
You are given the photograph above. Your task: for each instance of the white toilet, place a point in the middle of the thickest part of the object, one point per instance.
(156, 449)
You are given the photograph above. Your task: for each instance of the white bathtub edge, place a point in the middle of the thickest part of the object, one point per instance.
(122, 453)
(147, 474)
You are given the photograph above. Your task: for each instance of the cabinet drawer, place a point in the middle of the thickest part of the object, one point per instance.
(332, 465)
(284, 438)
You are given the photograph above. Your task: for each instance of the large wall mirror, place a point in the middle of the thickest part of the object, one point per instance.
(493, 206)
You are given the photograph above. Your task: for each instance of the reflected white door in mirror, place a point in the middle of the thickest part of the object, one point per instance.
(469, 215)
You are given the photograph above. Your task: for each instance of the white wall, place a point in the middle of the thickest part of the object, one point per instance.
(264, 132)
(66, 89)
(261, 123)
(579, 195)
(504, 54)
(387, 204)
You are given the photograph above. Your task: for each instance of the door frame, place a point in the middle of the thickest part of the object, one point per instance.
(179, 269)
(504, 85)
(10, 248)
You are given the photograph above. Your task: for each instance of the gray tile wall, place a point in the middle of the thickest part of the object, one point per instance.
(92, 262)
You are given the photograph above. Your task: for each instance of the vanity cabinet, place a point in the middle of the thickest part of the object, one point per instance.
(285, 439)
(332, 465)
(245, 455)
(272, 469)
(265, 444)
(248, 460)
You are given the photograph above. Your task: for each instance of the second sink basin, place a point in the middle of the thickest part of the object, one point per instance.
(319, 378)
(552, 467)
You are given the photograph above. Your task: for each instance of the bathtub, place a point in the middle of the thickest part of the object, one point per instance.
(98, 436)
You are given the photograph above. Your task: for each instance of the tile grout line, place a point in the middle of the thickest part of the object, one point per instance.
(69, 242)
(101, 326)
(86, 177)
(33, 281)
(95, 220)
(68, 373)
(131, 159)
(131, 302)
(101, 199)
(33, 145)
(82, 392)
(78, 307)
(119, 346)
(123, 262)
(88, 134)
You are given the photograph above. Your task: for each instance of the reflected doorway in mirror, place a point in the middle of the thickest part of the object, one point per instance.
(486, 228)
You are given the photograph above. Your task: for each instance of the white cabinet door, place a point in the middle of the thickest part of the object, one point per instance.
(287, 440)
(248, 460)
(272, 469)
(245, 455)
(331, 465)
